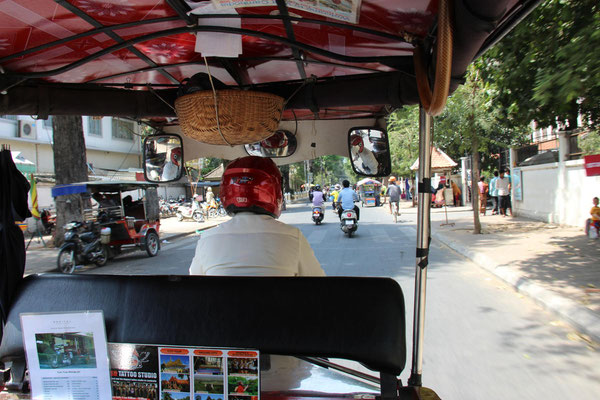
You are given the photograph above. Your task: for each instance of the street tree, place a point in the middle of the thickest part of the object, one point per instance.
(403, 133)
(468, 123)
(548, 67)
(70, 165)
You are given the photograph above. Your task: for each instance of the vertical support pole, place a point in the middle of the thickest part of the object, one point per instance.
(423, 234)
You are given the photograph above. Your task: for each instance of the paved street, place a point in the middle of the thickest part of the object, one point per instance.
(483, 339)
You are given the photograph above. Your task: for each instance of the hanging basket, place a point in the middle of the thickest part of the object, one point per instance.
(244, 116)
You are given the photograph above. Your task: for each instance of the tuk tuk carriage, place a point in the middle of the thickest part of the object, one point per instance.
(214, 79)
(369, 191)
(124, 222)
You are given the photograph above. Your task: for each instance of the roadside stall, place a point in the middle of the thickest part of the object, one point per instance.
(441, 164)
(369, 191)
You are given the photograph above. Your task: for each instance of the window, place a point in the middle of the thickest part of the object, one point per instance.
(11, 117)
(122, 129)
(94, 126)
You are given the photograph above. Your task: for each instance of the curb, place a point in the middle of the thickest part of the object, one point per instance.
(585, 320)
(183, 234)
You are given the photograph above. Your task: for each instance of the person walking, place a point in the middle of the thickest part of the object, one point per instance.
(493, 192)
(394, 193)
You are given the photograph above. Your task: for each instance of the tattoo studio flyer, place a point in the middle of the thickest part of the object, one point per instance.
(67, 355)
(183, 373)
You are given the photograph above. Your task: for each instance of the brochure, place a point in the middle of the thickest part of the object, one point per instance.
(183, 373)
(344, 10)
(67, 355)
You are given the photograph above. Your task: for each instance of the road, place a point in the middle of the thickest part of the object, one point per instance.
(483, 340)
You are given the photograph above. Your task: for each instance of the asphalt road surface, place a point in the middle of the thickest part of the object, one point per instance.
(483, 340)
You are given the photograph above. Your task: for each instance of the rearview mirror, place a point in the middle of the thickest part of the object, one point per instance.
(369, 151)
(163, 158)
(280, 144)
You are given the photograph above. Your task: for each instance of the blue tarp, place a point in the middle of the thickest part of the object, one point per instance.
(62, 190)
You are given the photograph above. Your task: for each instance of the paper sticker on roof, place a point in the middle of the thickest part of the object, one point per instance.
(344, 10)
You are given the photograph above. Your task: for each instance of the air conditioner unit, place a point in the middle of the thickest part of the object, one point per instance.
(27, 130)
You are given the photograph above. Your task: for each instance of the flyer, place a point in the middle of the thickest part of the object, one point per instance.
(344, 10)
(67, 355)
(183, 373)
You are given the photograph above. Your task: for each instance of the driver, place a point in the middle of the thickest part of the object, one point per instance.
(317, 197)
(253, 242)
(368, 160)
(347, 197)
(171, 168)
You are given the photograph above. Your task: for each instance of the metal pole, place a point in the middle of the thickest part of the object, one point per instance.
(423, 233)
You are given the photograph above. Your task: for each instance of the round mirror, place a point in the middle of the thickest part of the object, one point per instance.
(280, 144)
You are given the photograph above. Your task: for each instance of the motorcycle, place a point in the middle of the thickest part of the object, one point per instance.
(81, 248)
(165, 209)
(317, 215)
(348, 222)
(193, 211)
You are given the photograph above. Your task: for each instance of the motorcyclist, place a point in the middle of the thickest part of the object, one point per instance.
(172, 167)
(393, 192)
(335, 193)
(253, 242)
(347, 197)
(317, 197)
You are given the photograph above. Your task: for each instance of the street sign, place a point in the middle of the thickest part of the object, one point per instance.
(592, 165)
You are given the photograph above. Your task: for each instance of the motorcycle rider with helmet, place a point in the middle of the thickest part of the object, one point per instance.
(347, 197)
(253, 242)
(318, 199)
(335, 193)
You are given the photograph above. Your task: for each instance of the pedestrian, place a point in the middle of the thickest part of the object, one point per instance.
(253, 242)
(483, 192)
(456, 193)
(493, 192)
(503, 188)
(394, 193)
(593, 224)
(508, 197)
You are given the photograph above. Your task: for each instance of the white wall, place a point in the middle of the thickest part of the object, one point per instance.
(544, 201)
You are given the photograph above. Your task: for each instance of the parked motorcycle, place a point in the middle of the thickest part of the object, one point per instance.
(317, 215)
(349, 222)
(82, 246)
(192, 211)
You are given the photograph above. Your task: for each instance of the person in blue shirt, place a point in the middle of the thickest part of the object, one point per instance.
(346, 198)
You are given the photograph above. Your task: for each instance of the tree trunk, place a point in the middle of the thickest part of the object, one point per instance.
(70, 165)
(474, 185)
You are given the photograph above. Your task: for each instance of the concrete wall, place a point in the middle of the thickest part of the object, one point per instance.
(103, 149)
(554, 196)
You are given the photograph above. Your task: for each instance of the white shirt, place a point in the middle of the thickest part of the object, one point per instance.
(254, 245)
(502, 186)
(170, 171)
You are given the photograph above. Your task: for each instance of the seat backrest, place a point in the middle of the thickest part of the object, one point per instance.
(360, 319)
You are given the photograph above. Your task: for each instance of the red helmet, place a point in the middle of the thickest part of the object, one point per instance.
(276, 141)
(357, 140)
(252, 184)
(176, 155)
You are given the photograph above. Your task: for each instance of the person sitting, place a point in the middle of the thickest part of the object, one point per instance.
(253, 242)
(317, 197)
(346, 198)
(594, 222)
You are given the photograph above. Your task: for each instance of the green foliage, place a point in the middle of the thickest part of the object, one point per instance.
(590, 143)
(403, 132)
(548, 66)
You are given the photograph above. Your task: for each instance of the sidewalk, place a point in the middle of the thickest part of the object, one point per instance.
(557, 266)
